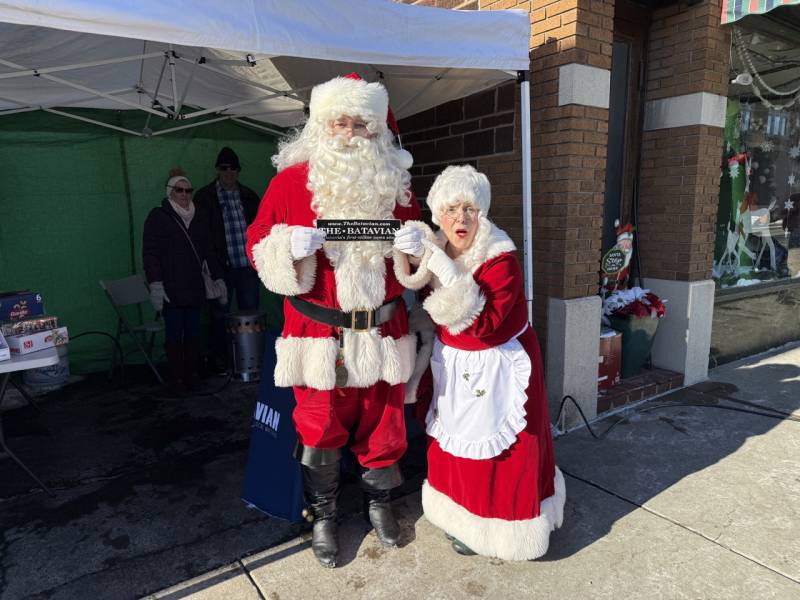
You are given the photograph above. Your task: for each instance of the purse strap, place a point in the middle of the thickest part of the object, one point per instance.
(186, 233)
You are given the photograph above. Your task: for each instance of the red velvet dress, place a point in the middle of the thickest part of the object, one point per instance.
(504, 506)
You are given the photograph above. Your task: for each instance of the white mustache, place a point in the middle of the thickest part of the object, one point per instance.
(341, 142)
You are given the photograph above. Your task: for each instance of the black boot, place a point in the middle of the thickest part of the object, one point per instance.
(174, 351)
(377, 485)
(321, 488)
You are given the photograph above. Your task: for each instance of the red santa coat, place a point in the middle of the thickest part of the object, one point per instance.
(367, 414)
(504, 506)
(306, 353)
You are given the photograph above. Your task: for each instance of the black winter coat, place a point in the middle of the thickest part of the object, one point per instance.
(206, 198)
(168, 257)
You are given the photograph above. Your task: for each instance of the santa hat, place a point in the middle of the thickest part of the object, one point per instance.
(459, 184)
(349, 95)
(625, 232)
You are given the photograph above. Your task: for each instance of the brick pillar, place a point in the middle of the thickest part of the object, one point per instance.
(688, 62)
(570, 80)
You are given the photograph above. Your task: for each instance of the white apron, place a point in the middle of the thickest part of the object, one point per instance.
(478, 405)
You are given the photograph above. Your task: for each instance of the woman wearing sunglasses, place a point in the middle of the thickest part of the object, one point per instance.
(182, 271)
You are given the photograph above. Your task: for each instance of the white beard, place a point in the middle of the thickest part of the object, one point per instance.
(356, 181)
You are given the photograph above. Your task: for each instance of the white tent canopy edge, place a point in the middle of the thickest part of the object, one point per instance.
(253, 58)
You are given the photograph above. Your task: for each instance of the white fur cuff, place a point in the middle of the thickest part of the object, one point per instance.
(507, 540)
(306, 361)
(457, 306)
(369, 358)
(279, 272)
(402, 267)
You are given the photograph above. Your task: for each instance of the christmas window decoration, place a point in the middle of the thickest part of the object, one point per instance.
(757, 236)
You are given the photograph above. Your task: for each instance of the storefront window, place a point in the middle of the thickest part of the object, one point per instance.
(758, 221)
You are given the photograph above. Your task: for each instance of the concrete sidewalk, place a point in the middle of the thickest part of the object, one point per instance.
(686, 497)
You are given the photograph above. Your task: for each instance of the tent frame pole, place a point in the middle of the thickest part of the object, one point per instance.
(96, 63)
(31, 107)
(190, 125)
(179, 105)
(527, 197)
(93, 121)
(171, 57)
(84, 88)
(223, 107)
(292, 93)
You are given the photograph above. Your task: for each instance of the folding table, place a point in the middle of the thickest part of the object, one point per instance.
(34, 360)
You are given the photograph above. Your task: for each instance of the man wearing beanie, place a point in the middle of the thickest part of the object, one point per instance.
(345, 347)
(232, 207)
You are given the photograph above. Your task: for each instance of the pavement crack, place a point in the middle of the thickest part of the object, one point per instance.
(250, 577)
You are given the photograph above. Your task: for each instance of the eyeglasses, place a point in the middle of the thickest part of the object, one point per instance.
(182, 190)
(469, 212)
(227, 168)
(355, 126)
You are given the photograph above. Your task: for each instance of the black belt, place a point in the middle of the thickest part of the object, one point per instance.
(357, 320)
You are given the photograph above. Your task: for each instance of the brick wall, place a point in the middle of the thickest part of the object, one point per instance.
(568, 148)
(688, 53)
(479, 130)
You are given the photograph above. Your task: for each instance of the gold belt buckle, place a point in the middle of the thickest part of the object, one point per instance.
(353, 321)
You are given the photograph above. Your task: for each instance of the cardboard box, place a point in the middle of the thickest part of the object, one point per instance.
(33, 342)
(610, 359)
(19, 305)
(28, 325)
(5, 351)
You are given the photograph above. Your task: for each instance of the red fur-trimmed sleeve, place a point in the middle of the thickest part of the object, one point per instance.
(501, 282)
(269, 239)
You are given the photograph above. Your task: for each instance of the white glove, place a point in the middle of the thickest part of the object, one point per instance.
(158, 295)
(223, 297)
(442, 265)
(306, 241)
(408, 240)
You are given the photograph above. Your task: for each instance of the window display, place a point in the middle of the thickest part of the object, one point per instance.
(758, 221)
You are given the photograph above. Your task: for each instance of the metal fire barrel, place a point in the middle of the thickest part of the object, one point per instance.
(245, 330)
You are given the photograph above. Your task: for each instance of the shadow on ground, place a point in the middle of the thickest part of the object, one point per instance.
(147, 490)
(695, 457)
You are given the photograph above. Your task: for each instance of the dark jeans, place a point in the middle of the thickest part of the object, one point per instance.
(245, 283)
(181, 323)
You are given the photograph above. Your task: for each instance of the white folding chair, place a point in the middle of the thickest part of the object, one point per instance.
(127, 292)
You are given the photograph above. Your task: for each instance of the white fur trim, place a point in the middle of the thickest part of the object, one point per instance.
(420, 366)
(369, 358)
(306, 361)
(352, 97)
(402, 268)
(365, 353)
(278, 271)
(406, 354)
(457, 306)
(359, 285)
(420, 324)
(507, 540)
(490, 241)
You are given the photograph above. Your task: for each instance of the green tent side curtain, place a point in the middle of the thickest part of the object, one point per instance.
(733, 10)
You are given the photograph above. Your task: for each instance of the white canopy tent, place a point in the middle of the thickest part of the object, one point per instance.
(186, 63)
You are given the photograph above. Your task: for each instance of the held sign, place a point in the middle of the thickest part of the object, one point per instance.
(352, 230)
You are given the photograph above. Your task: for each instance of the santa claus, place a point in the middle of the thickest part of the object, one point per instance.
(345, 347)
